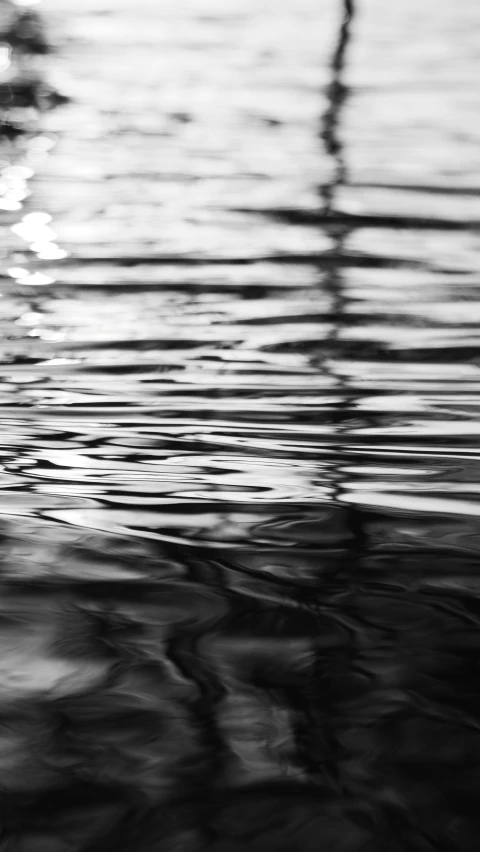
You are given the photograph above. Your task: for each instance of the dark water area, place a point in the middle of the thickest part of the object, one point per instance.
(239, 388)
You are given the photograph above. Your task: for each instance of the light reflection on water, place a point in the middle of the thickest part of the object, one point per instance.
(239, 384)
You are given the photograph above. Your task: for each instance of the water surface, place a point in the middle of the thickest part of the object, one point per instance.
(240, 374)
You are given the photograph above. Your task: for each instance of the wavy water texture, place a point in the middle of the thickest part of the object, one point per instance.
(239, 379)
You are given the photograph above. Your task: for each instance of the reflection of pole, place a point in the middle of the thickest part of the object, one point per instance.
(336, 94)
(337, 229)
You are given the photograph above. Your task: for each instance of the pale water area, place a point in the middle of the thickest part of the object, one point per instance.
(239, 431)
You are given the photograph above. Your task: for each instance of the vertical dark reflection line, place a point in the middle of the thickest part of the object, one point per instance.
(339, 671)
(318, 710)
(337, 93)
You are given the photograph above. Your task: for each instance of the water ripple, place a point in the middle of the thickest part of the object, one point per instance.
(239, 458)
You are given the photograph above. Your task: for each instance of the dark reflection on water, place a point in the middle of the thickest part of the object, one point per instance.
(239, 381)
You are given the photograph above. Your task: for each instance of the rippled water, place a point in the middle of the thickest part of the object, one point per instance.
(240, 374)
